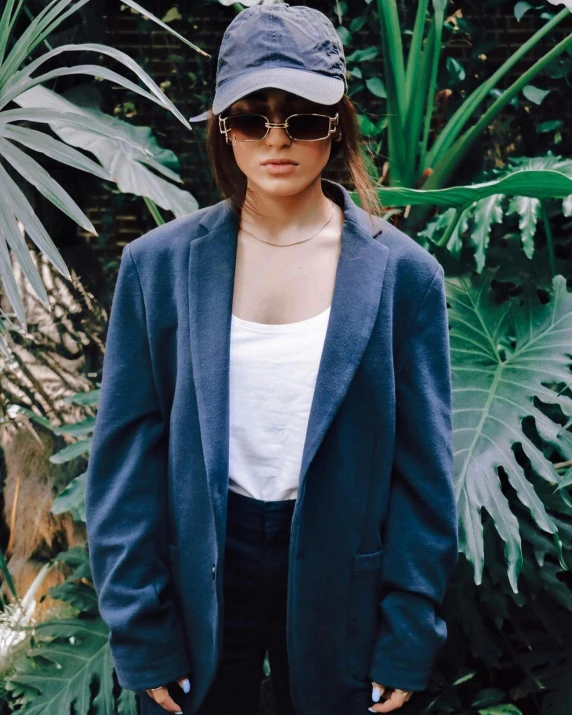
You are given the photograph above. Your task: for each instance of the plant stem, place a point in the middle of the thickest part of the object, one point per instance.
(154, 211)
(464, 113)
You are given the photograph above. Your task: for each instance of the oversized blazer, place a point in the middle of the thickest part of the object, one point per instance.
(374, 531)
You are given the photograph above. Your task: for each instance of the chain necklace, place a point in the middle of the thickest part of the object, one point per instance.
(283, 245)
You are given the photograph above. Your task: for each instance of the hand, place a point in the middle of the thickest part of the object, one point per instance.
(394, 701)
(161, 696)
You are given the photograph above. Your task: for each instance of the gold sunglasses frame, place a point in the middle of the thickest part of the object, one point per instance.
(333, 124)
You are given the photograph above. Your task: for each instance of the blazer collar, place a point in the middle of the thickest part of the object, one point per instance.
(355, 303)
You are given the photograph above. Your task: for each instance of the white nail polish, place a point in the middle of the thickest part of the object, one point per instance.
(375, 693)
(372, 710)
(186, 686)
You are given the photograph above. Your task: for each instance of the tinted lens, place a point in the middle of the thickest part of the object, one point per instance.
(308, 127)
(246, 126)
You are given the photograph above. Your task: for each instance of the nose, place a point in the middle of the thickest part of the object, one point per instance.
(277, 136)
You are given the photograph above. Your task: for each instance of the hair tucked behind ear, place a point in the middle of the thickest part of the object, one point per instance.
(231, 182)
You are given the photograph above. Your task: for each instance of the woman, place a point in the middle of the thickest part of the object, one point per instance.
(271, 467)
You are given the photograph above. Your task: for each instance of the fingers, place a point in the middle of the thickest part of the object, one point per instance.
(396, 698)
(162, 698)
(185, 684)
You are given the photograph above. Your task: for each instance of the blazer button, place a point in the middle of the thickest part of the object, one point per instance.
(214, 572)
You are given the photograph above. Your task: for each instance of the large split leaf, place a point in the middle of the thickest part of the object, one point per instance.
(73, 653)
(70, 668)
(130, 168)
(507, 360)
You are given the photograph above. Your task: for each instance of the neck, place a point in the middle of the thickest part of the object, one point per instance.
(282, 216)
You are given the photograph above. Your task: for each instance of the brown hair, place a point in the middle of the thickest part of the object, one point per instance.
(231, 182)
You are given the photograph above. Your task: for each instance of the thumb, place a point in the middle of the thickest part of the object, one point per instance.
(185, 684)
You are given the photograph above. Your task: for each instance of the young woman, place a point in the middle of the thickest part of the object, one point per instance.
(271, 468)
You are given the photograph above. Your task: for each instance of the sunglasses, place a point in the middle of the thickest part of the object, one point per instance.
(299, 127)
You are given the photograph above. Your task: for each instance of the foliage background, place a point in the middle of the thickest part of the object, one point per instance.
(504, 643)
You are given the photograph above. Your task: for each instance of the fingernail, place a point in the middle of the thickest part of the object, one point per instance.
(186, 685)
(179, 712)
(372, 710)
(375, 693)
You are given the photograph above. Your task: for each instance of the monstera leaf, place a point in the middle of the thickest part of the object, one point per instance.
(507, 360)
(71, 656)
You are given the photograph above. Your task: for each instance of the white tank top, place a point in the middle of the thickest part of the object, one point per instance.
(273, 370)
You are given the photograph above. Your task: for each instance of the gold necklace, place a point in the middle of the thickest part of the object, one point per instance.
(283, 245)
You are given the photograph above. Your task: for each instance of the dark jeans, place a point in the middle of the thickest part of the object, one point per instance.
(255, 588)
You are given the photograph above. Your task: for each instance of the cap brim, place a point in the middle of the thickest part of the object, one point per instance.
(310, 85)
(200, 117)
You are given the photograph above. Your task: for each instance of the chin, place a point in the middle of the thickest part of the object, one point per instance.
(281, 185)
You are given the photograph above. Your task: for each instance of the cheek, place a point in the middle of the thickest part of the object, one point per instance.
(318, 153)
(242, 156)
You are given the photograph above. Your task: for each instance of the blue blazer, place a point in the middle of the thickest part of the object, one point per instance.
(374, 532)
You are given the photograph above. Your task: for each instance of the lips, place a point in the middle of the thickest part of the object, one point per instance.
(278, 162)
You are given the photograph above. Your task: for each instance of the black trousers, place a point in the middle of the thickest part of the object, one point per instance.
(255, 589)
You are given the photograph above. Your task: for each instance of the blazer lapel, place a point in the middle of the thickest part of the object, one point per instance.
(357, 291)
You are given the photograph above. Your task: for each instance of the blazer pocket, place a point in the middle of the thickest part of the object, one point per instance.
(363, 612)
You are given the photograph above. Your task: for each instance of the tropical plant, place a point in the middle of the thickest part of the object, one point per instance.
(71, 655)
(409, 118)
(530, 181)
(18, 75)
(131, 169)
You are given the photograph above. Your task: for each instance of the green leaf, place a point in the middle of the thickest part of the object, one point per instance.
(46, 116)
(528, 209)
(369, 53)
(22, 209)
(505, 359)
(507, 709)
(550, 125)
(344, 34)
(72, 451)
(541, 184)
(376, 87)
(76, 429)
(535, 94)
(71, 655)
(38, 141)
(171, 15)
(33, 172)
(487, 211)
(72, 499)
(455, 69)
(7, 274)
(357, 23)
(18, 82)
(130, 169)
(520, 9)
(366, 126)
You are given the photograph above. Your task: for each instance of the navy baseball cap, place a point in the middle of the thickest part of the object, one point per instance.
(296, 49)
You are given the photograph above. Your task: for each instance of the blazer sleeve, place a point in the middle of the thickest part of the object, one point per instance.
(126, 502)
(420, 539)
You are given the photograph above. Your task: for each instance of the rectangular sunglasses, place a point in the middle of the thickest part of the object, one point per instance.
(299, 127)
